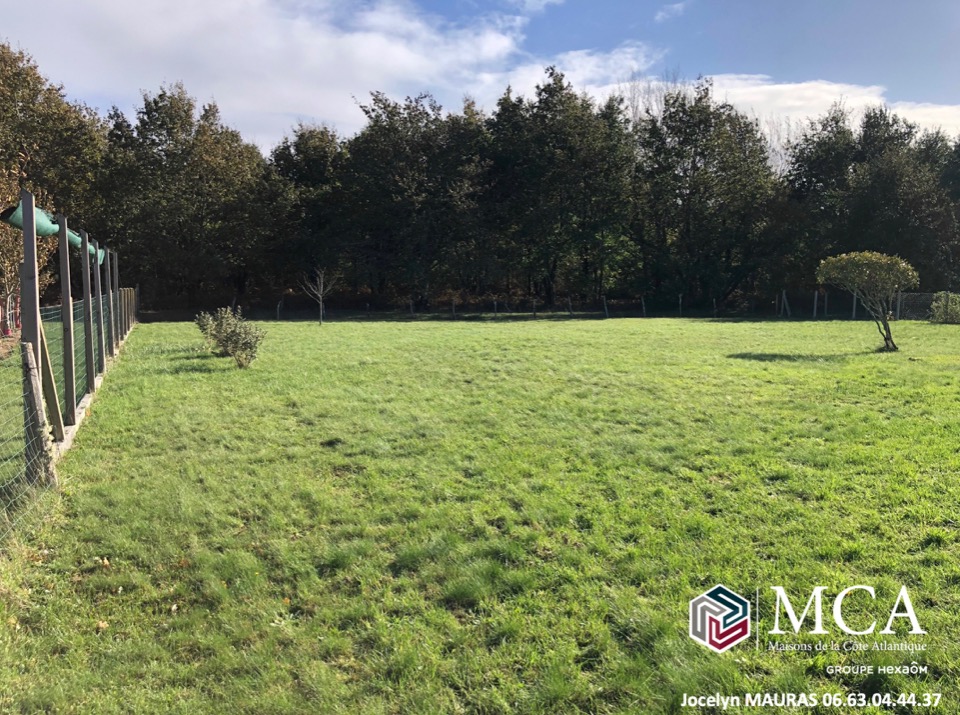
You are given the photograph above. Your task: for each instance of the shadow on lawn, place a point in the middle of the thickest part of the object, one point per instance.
(788, 357)
(198, 362)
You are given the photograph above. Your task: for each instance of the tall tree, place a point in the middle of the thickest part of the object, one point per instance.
(180, 194)
(705, 188)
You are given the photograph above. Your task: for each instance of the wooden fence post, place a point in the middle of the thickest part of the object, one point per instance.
(48, 383)
(816, 299)
(111, 335)
(29, 279)
(88, 352)
(66, 320)
(116, 298)
(38, 448)
(98, 298)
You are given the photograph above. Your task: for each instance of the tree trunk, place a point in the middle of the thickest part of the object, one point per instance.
(888, 343)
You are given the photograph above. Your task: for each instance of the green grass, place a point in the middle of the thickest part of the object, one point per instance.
(484, 517)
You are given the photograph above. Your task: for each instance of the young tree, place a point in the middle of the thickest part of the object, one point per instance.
(318, 286)
(874, 279)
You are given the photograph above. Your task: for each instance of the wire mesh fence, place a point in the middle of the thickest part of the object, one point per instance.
(79, 351)
(13, 467)
(915, 306)
(53, 329)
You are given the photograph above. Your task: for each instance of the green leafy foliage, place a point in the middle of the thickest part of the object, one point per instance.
(945, 308)
(229, 335)
(549, 196)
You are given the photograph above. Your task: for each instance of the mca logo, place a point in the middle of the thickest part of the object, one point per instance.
(719, 619)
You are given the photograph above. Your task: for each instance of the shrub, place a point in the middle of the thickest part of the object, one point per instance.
(945, 308)
(229, 335)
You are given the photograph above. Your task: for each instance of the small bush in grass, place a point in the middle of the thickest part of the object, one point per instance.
(945, 308)
(229, 335)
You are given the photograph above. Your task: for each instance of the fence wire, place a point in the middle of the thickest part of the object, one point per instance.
(79, 350)
(916, 306)
(15, 488)
(53, 329)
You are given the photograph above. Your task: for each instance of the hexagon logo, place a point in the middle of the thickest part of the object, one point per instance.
(719, 619)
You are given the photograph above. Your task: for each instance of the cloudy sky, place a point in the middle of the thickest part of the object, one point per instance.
(271, 63)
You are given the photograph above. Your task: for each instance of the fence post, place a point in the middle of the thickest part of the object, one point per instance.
(29, 279)
(98, 297)
(854, 316)
(116, 298)
(111, 335)
(606, 312)
(88, 352)
(66, 319)
(816, 299)
(679, 305)
(126, 311)
(826, 297)
(643, 304)
(38, 448)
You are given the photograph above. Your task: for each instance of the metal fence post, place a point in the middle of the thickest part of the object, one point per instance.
(66, 319)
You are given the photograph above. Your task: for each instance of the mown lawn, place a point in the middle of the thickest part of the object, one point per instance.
(485, 517)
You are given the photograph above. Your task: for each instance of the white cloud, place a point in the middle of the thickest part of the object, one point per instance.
(271, 63)
(668, 12)
(267, 63)
(799, 101)
(531, 7)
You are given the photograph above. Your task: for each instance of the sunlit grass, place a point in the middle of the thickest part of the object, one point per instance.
(481, 517)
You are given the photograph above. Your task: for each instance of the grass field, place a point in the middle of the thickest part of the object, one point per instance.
(483, 517)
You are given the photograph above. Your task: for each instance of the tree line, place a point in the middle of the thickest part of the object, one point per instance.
(548, 197)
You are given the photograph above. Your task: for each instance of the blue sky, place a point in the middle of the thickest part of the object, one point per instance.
(271, 63)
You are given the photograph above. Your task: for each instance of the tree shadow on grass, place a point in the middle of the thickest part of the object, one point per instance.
(197, 363)
(788, 357)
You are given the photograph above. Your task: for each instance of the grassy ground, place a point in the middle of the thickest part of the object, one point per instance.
(485, 517)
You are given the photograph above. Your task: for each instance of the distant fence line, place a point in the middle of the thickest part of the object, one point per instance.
(818, 304)
(834, 305)
(47, 381)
